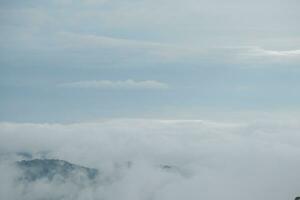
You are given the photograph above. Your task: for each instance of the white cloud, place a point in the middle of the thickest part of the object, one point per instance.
(258, 51)
(108, 84)
(255, 55)
(222, 160)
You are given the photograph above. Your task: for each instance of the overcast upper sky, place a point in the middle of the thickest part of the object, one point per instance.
(72, 60)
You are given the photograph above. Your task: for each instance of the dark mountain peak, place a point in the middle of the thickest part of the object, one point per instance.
(50, 169)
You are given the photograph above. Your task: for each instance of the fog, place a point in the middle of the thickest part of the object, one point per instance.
(254, 160)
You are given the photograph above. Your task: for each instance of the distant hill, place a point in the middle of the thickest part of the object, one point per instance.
(52, 169)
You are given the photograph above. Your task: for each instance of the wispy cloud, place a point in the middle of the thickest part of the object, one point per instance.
(126, 46)
(177, 52)
(256, 54)
(258, 51)
(105, 41)
(126, 84)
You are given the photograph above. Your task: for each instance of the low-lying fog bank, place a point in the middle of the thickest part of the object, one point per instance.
(154, 160)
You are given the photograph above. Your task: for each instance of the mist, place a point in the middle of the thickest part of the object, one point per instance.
(206, 159)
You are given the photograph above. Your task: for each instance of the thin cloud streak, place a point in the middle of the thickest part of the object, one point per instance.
(126, 85)
(177, 52)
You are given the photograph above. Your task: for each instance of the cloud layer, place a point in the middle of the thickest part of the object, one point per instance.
(218, 160)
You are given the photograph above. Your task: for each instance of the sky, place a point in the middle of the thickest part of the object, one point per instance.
(81, 60)
(209, 87)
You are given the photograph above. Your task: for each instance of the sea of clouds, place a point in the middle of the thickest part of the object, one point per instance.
(209, 160)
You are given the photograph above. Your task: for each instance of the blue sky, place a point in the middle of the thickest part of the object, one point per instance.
(73, 60)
